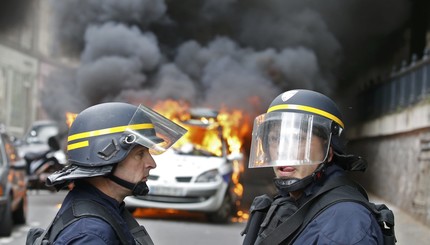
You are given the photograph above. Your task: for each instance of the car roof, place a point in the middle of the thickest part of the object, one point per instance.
(200, 112)
(43, 122)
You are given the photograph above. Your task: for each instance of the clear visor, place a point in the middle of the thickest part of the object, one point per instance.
(157, 135)
(288, 138)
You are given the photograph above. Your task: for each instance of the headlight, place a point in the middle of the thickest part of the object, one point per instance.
(209, 176)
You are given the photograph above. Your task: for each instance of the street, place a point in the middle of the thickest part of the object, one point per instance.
(164, 228)
(182, 228)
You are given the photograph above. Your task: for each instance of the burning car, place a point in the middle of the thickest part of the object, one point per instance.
(199, 173)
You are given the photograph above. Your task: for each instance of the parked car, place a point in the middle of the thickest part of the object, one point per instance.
(13, 186)
(42, 164)
(194, 175)
(36, 139)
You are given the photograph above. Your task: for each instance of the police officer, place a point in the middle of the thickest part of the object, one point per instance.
(300, 138)
(109, 150)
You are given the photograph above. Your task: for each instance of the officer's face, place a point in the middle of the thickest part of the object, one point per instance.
(135, 167)
(300, 171)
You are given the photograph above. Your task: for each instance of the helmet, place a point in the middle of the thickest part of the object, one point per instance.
(285, 134)
(102, 136)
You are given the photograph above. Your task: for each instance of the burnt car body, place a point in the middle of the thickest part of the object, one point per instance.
(13, 186)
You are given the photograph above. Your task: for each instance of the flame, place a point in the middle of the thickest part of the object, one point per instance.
(174, 110)
(70, 117)
(234, 123)
(167, 214)
(235, 126)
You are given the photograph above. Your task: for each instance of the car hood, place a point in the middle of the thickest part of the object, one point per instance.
(32, 148)
(170, 163)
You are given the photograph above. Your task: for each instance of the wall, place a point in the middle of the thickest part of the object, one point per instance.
(18, 73)
(25, 63)
(397, 147)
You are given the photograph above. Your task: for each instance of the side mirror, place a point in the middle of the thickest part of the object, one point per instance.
(235, 157)
(53, 143)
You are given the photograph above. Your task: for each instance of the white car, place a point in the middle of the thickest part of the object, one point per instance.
(191, 177)
(36, 140)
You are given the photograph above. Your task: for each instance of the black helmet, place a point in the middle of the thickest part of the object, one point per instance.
(311, 102)
(307, 101)
(292, 118)
(285, 136)
(103, 135)
(98, 135)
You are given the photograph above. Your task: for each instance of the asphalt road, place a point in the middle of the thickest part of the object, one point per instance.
(184, 228)
(164, 227)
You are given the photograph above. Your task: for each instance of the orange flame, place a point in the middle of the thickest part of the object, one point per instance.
(70, 117)
(235, 127)
(174, 110)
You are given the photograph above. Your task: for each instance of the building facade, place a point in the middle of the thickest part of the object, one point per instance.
(25, 62)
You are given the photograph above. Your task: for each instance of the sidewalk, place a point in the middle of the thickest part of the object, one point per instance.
(408, 230)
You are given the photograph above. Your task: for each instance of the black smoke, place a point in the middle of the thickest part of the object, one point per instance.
(14, 14)
(217, 52)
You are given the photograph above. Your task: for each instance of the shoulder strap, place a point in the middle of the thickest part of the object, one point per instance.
(85, 208)
(287, 228)
(40, 239)
(139, 232)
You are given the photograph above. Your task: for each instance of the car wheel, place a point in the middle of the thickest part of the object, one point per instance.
(223, 214)
(19, 216)
(6, 221)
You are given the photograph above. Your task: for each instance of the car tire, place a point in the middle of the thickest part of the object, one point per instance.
(19, 216)
(6, 221)
(224, 213)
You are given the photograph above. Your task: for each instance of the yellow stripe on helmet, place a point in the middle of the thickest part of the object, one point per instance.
(106, 131)
(77, 145)
(307, 109)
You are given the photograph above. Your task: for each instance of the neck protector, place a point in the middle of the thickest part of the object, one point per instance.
(137, 189)
(286, 186)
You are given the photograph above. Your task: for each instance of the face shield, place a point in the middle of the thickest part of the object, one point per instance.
(157, 135)
(289, 138)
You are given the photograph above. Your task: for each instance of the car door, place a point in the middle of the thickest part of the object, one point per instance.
(16, 171)
(5, 202)
(3, 174)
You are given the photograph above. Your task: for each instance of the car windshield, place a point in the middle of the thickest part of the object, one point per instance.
(40, 134)
(201, 140)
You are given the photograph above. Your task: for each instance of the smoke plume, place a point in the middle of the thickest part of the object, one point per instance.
(233, 53)
(14, 14)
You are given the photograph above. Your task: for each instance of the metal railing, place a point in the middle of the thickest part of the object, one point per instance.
(403, 88)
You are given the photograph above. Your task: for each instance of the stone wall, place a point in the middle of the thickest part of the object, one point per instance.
(398, 155)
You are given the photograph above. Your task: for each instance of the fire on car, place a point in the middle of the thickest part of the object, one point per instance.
(200, 172)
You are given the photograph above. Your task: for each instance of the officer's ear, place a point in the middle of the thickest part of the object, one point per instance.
(330, 154)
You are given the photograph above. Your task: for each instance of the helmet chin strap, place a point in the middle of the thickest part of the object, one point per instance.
(286, 186)
(137, 189)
